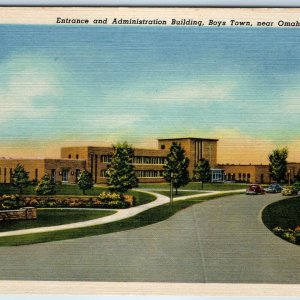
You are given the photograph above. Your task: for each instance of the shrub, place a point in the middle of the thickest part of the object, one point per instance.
(278, 230)
(297, 229)
(107, 197)
(45, 186)
(11, 202)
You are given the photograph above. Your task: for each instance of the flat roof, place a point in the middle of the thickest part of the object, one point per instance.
(244, 165)
(38, 159)
(189, 138)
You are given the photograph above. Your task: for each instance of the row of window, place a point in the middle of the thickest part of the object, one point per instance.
(238, 176)
(141, 160)
(142, 173)
(152, 160)
(70, 156)
(11, 173)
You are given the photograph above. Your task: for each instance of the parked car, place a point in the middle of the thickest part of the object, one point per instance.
(254, 189)
(274, 188)
(291, 189)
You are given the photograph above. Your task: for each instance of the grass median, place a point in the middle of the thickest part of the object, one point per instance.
(55, 217)
(147, 217)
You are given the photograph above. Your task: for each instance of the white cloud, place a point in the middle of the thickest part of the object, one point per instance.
(23, 82)
(202, 91)
(111, 121)
(188, 91)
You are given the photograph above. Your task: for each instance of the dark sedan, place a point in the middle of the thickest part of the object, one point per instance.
(254, 189)
(274, 188)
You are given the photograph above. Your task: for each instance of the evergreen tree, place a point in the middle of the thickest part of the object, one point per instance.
(120, 173)
(45, 186)
(85, 181)
(177, 165)
(20, 178)
(202, 171)
(278, 163)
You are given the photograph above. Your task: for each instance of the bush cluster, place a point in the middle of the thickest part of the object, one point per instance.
(293, 236)
(104, 200)
(10, 202)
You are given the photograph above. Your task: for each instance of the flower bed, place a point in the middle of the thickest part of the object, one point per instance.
(291, 235)
(104, 200)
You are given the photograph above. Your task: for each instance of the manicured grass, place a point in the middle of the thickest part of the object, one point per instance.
(147, 217)
(226, 186)
(180, 193)
(284, 213)
(282, 218)
(52, 217)
(141, 198)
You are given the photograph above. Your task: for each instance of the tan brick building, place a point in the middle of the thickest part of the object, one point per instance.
(255, 173)
(148, 163)
(60, 170)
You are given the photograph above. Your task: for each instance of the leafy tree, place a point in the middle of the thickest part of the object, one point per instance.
(177, 165)
(202, 171)
(278, 163)
(85, 181)
(45, 186)
(20, 178)
(120, 173)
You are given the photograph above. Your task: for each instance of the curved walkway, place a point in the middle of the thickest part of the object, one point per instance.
(120, 215)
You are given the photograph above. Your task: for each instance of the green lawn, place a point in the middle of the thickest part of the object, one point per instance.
(52, 217)
(284, 215)
(147, 217)
(197, 186)
(180, 193)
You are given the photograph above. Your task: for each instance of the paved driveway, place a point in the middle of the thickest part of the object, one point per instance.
(221, 240)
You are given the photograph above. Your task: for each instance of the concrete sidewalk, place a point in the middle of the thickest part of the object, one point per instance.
(119, 215)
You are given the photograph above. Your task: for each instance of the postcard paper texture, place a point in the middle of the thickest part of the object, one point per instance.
(149, 151)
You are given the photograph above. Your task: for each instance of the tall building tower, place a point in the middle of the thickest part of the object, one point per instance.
(195, 148)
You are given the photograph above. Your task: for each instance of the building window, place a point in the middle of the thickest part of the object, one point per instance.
(105, 158)
(149, 174)
(53, 175)
(70, 156)
(248, 177)
(10, 176)
(77, 175)
(103, 173)
(77, 156)
(162, 147)
(36, 174)
(149, 160)
(65, 176)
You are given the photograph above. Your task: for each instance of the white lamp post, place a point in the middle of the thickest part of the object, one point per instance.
(171, 189)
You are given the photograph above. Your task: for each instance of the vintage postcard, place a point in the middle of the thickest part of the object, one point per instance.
(149, 151)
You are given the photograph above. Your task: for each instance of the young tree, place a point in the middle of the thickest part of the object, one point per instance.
(202, 171)
(20, 178)
(45, 186)
(278, 163)
(85, 181)
(177, 165)
(120, 173)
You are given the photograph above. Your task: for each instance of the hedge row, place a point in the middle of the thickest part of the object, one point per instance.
(104, 200)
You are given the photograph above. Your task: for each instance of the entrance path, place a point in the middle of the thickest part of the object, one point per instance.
(218, 241)
(119, 215)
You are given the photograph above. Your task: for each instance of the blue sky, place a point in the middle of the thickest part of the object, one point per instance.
(72, 85)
